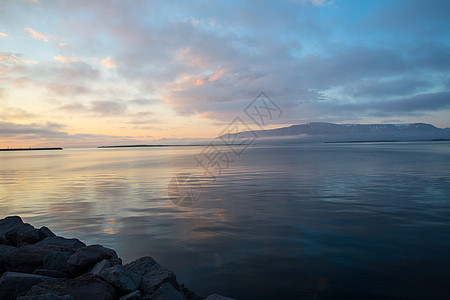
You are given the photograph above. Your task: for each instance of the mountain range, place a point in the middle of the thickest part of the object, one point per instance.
(330, 132)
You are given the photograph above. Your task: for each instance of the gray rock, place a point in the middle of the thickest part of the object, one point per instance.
(100, 266)
(136, 295)
(6, 225)
(46, 297)
(217, 297)
(51, 273)
(72, 243)
(57, 261)
(23, 234)
(13, 285)
(124, 281)
(29, 258)
(154, 275)
(85, 258)
(44, 233)
(167, 292)
(85, 287)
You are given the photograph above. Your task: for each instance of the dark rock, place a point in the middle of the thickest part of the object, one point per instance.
(190, 295)
(44, 233)
(51, 273)
(22, 235)
(4, 251)
(124, 281)
(218, 297)
(4, 241)
(136, 295)
(13, 285)
(57, 261)
(154, 275)
(46, 297)
(85, 258)
(85, 287)
(100, 266)
(72, 243)
(29, 258)
(167, 292)
(115, 261)
(7, 224)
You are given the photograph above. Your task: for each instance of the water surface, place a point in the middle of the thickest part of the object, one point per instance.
(319, 221)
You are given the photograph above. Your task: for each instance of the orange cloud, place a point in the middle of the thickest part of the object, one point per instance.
(7, 57)
(37, 35)
(3, 35)
(108, 63)
(217, 75)
(27, 61)
(65, 59)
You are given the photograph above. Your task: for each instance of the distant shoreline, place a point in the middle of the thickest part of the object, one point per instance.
(30, 149)
(138, 146)
(388, 141)
(144, 146)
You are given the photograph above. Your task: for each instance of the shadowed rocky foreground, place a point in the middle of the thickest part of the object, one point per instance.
(35, 264)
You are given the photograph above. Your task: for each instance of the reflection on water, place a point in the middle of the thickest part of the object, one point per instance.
(313, 220)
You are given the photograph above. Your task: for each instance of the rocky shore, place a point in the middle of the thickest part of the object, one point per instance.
(35, 264)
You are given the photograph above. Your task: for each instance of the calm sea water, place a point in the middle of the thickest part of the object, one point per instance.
(318, 221)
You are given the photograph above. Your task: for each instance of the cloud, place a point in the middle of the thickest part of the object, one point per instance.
(420, 102)
(65, 59)
(101, 108)
(108, 63)
(3, 35)
(66, 89)
(52, 134)
(37, 35)
(13, 113)
(10, 129)
(403, 106)
(209, 60)
(144, 101)
(377, 88)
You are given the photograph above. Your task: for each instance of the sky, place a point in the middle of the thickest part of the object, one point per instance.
(89, 73)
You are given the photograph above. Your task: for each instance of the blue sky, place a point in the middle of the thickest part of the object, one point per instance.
(77, 73)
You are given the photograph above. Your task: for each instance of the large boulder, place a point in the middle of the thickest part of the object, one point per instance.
(22, 235)
(85, 258)
(166, 292)
(87, 286)
(13, 285)
(29, 258)
(57, 261)
(153, 274)
(124, 281)
(6, 225)
(72, 243)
